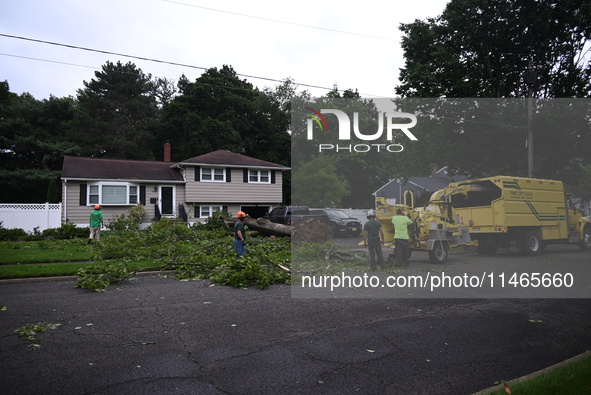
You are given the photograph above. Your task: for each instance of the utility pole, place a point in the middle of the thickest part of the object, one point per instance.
(529, 77)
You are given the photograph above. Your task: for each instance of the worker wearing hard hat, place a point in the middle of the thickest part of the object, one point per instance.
(240, 234)
(373, 239)
(96, 222)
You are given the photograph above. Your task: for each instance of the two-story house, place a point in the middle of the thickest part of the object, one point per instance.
(192, 189)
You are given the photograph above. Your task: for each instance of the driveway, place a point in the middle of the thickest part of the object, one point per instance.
(161, 336)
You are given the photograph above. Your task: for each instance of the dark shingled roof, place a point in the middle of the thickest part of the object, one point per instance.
(118, 169)
(223, 157)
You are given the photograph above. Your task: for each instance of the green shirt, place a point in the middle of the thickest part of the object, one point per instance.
(401, 223)
(239, 226)
(96, 218)
(372, 227)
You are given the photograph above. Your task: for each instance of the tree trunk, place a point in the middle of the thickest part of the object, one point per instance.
(263, 225)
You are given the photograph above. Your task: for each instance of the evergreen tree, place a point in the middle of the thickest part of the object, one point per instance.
(117, 113)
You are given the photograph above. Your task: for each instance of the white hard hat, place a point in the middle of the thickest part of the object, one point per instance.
(371, 213)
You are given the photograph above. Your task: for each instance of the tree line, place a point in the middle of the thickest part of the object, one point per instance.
(126, 114)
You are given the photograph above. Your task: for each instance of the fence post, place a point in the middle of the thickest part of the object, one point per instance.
(47, 215)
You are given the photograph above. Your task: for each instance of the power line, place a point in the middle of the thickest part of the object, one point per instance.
(48, 61)
(116, 71)
(151, 60)
(278, 21)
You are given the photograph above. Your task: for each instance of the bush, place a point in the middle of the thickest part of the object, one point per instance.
(67, 231)
(12, 234)
(130, 222)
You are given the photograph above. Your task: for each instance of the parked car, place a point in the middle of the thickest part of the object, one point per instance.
(292, 215)
(343, 224)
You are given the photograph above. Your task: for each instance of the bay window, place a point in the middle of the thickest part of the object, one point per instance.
(113, 194)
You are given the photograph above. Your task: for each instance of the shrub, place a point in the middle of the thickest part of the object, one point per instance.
(130, 222)
(16, 234)
(66, 231)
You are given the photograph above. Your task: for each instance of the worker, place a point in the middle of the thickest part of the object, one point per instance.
(401, 238)
(96, 222)
(373, 239)
(240, 234)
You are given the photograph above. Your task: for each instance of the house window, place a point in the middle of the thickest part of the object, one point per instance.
(133, 194)
(207, 211)
(119, 194)
(259, 176)
(93, 194)
(213, 174)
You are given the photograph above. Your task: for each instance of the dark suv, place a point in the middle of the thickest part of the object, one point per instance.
(342, 224)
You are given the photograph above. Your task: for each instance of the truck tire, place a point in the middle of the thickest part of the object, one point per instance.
(585, 244)
(438, 254)
(487, 245)
(531, 243)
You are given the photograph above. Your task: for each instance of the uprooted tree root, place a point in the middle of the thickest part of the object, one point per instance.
(311, 231)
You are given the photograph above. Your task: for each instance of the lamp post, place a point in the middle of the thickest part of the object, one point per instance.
(529, 77)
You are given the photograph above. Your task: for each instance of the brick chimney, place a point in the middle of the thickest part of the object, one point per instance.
(433, 170)
(167, 151)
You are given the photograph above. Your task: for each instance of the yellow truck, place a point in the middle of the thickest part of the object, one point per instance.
(512, 211)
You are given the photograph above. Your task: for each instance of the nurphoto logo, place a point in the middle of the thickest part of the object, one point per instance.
(344, 130)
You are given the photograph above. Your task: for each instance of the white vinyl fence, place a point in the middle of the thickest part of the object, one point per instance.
(30, 216)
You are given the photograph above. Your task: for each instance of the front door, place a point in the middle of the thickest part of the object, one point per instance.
(167, 201)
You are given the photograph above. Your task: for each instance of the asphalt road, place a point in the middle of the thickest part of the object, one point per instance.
(161, 336)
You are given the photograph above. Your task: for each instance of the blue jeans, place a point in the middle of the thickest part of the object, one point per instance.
(239, 247)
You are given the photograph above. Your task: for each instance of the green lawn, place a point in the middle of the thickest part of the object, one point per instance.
(59, 269)
(22, 252)
(22, 259)
(573, 378)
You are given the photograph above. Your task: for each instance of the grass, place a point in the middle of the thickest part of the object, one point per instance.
(29, 259)
(59, 269)
(573, 378)
(24, 252)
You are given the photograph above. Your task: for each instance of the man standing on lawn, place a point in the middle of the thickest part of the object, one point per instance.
(96, 222)
(240, 234)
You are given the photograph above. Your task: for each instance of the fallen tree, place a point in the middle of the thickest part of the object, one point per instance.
(262, 225)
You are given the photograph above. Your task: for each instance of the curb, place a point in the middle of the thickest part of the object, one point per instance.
(68, 278)
(534, 374)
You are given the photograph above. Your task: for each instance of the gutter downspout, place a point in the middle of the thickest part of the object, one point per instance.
(64, 200)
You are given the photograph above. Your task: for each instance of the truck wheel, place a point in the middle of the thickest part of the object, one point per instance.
(487, 245)
(531, 244)
(438, 254)
(585, 245)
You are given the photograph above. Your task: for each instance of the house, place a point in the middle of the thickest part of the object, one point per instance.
(422, 187)
(192, 189)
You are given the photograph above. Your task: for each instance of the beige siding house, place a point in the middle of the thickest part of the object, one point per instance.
(192, 189)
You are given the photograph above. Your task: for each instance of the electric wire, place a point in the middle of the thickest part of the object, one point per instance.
(279, 21)
(153, 60)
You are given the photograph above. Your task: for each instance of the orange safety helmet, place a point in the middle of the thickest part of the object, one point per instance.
(97, 206)
(241, 214)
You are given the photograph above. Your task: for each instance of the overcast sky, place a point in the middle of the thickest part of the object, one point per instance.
(355, 45)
